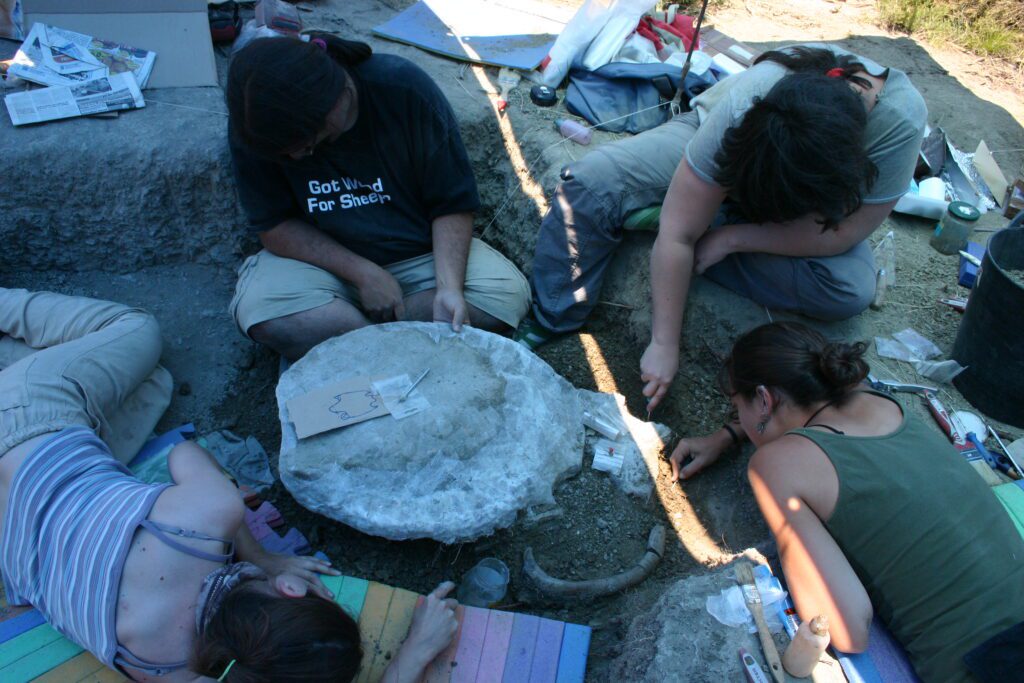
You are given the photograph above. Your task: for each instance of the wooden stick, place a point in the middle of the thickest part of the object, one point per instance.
(745, 577)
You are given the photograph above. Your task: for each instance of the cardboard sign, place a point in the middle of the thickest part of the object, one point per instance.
(336, 405)
(989, 171)
(178, 31)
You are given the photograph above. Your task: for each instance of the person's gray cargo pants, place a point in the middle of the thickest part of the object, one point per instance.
(581, 230)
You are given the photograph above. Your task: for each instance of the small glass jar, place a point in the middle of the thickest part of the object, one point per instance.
(955, 228)
(485, 584)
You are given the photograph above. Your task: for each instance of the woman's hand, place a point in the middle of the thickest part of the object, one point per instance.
(714, 246)
(306, 569)
(380, 295)
(658, 368)
(702, 451)
(434, 625)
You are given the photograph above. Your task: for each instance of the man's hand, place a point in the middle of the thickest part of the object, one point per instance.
(303, 568)
(434, 626)
(380, 295)
(711, 248)
(702, 451)
(450, 307)
(658, 368)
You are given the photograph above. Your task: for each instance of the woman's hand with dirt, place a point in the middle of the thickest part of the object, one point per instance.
(658, 368)
(702, 452)
(434, 625)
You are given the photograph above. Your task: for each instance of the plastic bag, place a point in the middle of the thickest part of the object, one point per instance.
(888, 348)
(581, 30)
(942, 372)
(919, 346)
(638, 50)
(251, 31)
(729, 607)
(614, 33)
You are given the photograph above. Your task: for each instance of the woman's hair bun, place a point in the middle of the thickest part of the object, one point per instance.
(842, 365)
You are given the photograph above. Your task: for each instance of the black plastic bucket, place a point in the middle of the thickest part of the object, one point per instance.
(990, 341)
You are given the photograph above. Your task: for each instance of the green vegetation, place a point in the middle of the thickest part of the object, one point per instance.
(988, 27)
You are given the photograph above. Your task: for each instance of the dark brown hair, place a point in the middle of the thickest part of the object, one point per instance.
(796, 360)
(278, 640)
(280, 90)
(799, 150)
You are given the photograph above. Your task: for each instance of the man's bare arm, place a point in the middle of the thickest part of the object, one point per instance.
(451, 236)
(379, 292)
(301, 241)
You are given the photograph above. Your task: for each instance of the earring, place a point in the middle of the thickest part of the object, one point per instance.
(761, 425)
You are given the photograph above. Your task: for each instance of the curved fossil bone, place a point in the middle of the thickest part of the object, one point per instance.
(560, 589)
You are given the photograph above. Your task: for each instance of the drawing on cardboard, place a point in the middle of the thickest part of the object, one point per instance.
(338, 404)
(352, 405)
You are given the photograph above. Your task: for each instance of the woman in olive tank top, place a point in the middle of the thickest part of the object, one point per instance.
(873, 510)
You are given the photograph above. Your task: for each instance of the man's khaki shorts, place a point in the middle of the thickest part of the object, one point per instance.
(271, 287)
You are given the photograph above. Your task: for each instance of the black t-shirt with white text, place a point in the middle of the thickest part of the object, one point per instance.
(378, 187)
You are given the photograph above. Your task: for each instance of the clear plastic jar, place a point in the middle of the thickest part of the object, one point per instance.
(955, 228)
(484, 585)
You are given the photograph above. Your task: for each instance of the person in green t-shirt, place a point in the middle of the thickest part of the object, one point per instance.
(873, 510)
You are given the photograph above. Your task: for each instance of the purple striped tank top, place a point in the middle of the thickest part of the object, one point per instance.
(72, 513)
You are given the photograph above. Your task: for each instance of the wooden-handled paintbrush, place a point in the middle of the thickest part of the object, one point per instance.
(745, 577)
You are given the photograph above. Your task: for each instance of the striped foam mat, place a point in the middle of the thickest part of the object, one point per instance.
(491, 646)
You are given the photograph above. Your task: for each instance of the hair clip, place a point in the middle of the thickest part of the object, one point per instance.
(320, 42)
(837, 72)
(225, 674)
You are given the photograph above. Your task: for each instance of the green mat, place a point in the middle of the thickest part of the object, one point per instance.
(1012, 498)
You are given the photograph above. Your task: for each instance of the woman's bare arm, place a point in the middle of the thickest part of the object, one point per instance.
(820, 578)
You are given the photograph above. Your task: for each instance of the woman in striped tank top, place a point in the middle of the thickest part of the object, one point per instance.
(162, 582)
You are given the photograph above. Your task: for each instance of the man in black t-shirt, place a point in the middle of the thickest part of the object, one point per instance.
(351, 169)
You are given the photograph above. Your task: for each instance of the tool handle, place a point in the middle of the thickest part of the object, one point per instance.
(771, 653)
(751, 668)
(985, 453)
(748, 584)
(938, 411)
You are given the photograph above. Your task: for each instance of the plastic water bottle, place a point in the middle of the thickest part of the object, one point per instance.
(574, 131)
(485, 584)
(885, 261)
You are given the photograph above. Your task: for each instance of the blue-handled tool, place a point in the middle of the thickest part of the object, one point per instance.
(986, 455)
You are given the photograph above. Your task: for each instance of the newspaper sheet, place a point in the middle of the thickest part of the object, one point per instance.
(56, 56)
(98, 96)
